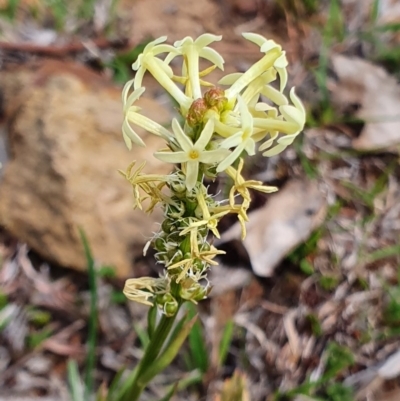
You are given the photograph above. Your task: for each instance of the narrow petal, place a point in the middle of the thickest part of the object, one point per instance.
(293, 115)
(283, 77)
(192, 171)
(163, 66)
(283, 143)
(273, 94)
(269, 45)
(213, 156)
(164, 49)
(288, 139)
(250, 147)
(207, 38)
(232, 141)
(171, 157)
(184, 141)
(205, 135)
(224, 130)
(128, 131)
(139, 78)
(125, 90)
(230, 78)
(255, 38)
(276, 125)
(127, 140)
(212, 55)
(275, 150)
(246, 117)
(132, 98)
(230, 159)
(155, 42)
(296, 101)
(267, 144)
(148, 124)
(185, 41)
(170, 57)
(137, 64)
(253, 72)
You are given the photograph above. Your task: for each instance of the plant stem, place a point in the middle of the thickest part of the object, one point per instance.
(134, 386)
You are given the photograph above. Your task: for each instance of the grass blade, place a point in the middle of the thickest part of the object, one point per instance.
(74, 381)
(225, 342)
(197, 344)
(92, 324)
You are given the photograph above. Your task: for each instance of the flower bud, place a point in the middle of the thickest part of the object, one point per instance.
(159, 244)
(215, 98)
(168, 304)
(196, 112)
(192, 291)
(174, 256)
(176, 211)
(179, 187)
(167, 226)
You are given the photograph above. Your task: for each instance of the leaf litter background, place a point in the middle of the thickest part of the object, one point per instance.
(308, 307)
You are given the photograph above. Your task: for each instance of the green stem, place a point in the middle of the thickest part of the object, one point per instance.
(133, 387)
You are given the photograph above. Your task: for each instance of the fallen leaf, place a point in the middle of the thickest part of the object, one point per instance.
(377, 96)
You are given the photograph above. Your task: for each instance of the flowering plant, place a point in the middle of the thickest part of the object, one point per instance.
(218, 127)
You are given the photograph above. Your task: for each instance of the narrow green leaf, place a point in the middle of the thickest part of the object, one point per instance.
(74, 380)
(142, 334)
(198, 349)
(167, 355)
(375, 11)
(176, 330)
(92, 324)
(116, 382)
(170, 393)
(225, 342)
(383, 253)
(193, 377)
(131, 388)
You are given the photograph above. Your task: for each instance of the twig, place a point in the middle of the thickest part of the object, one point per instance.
(60, 51)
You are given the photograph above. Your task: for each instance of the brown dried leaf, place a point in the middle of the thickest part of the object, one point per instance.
(378, 95)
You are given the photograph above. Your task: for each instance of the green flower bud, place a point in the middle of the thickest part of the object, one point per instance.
(167, 226)
(205, 247)
(168, 304)
(192, 291)
(176, 211)
(159, 244)
(174, 256)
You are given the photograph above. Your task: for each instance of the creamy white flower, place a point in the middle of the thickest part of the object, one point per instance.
(128, 133)
(192, 50)
(272, 51)
(132, 115)
(241, 140)
(280, 63)
(295, 117)
(160, 70)
(192, 154)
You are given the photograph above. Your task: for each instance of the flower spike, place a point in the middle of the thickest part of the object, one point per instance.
(217, 127)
